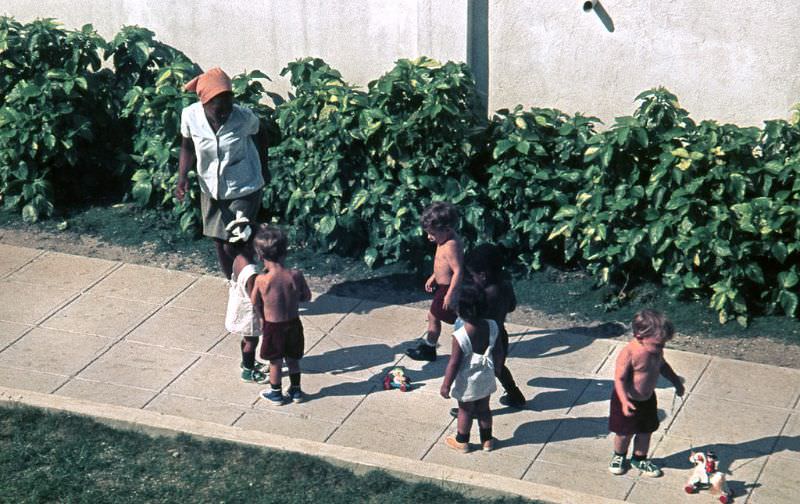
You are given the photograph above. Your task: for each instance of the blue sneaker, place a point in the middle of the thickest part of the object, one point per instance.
(273, 397)
(295, 394)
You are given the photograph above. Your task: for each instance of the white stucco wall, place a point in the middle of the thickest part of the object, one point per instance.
(730, 60)
(361, 39)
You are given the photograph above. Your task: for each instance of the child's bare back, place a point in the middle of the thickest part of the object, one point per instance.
(280, 291)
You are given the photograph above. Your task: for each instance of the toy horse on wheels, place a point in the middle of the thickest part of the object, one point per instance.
(397, 378)
(706, 475)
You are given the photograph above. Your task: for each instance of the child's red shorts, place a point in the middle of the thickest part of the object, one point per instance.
(437, 307)
(644, 420)
(282, 339)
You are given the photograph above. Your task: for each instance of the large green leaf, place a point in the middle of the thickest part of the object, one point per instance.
(141, 193)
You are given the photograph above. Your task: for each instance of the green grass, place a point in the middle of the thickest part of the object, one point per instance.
(553, 291)
(58, 457)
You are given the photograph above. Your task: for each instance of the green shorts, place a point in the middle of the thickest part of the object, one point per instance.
(218, 213)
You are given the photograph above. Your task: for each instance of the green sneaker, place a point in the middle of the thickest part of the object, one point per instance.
(258, 366)
(254, 376)
(647, 467)
(617, 464)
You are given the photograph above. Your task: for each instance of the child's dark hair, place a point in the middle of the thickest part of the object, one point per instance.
(652, 324)
(270, 243)
(471, 302)
(486, 258)
(439, 215)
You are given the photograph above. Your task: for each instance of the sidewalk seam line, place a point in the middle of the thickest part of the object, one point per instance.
(158, 393)
(29, 261)
(335, 325)
(243, 413)
(769, 456)
(438, 437)
(578, 396)
(24, 333)
(687, 394)
(47, 316)
(605, 359)
(124, 334)
(527, 469)
(347, 417)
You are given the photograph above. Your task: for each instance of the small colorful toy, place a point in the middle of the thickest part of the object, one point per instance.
(707, 475)
(397, 378)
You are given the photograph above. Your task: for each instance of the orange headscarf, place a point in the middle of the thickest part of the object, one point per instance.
(209, 84)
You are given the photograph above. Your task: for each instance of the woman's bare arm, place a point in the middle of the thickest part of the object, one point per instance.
(186, 160)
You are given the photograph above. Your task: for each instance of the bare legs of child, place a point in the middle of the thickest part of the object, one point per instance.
(466, 412)
(294, 393)
(513, 396)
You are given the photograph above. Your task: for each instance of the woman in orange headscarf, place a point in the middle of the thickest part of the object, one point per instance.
(227, 145)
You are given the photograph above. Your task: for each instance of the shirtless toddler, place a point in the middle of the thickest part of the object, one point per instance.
(634, 411)
(276, 297)
(439, 221)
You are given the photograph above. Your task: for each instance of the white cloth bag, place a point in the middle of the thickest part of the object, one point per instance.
(475, 379)
(239, 317)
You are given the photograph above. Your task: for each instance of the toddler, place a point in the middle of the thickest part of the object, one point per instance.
(439, 221)
(239, 317)
(634, 411)
(276, 296)
(485, 268)
(470, 375)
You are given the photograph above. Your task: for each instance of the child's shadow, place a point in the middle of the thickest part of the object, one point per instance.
(345, 388)
(345, 360)
(555, 342)
(395, 288)
(328, 304)
(568, 392)
(556, 429)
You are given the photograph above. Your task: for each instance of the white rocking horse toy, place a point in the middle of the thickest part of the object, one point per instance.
(706, 474)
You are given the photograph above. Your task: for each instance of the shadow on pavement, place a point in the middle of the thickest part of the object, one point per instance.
(350, 359)
(567, 392)
(555, 342)
(397, 288)
(556, 429)
(729, 455)
(345, 388)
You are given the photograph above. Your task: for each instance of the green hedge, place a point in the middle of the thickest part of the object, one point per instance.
(709, 210)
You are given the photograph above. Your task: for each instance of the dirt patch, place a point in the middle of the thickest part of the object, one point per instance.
(752, 348)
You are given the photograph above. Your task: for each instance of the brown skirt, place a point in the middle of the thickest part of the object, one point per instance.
(218, 213)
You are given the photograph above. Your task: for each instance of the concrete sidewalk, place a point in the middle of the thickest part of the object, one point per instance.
(150, 343)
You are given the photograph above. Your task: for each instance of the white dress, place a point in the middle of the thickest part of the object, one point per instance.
(475, 378)
(239, 317)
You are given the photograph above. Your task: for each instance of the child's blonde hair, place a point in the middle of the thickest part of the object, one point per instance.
(652, 324)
